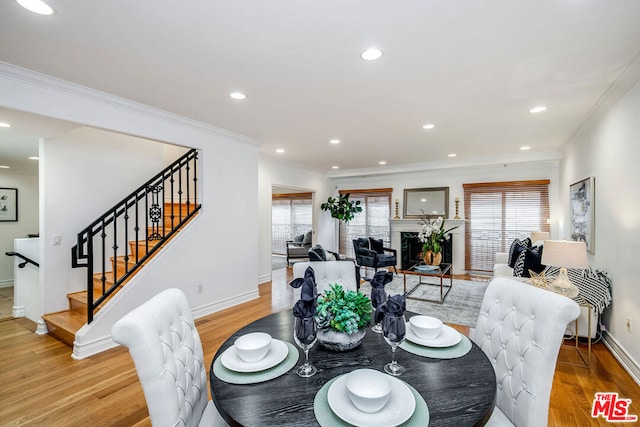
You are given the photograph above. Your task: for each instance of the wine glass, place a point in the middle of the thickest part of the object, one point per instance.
(304, 333)
(393, 329)
(375, 300)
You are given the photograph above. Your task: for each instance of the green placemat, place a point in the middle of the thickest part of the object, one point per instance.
(458, 350)
(234, 377)
(327, 418)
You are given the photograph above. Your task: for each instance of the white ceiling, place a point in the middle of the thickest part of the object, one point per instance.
(473, 68)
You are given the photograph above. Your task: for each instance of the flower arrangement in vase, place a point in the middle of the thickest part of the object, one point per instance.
(342, 317)
(433, 236)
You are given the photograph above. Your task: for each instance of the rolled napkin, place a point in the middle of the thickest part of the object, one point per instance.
(395, 305)
(305, 307)
(379, 280)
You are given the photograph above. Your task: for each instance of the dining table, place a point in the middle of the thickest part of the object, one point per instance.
(458, 391)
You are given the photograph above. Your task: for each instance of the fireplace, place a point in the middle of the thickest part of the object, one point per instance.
(411, 249)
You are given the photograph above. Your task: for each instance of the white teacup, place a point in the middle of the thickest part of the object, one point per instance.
(426, 327)
(253, 347)
(368, 390)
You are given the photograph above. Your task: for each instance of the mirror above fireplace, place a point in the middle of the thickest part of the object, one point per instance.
(426, 202)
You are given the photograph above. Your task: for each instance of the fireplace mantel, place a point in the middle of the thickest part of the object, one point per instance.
(415, 225)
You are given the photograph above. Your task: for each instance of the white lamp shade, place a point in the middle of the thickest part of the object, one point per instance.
(537, 236)
(563, 253)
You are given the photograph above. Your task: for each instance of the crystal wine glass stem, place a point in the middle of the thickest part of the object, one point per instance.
(393, 355)
(306, 356)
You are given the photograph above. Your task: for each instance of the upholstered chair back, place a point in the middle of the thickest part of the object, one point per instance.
(328, 273)
(520, 328)
(166, 350)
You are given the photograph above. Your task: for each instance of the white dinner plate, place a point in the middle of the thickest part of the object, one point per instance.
(278, 351)
(446, 338)
(398, 409)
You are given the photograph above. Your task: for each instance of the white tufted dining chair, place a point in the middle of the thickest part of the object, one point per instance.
(328, 273)
(520, 328)
(166, 350)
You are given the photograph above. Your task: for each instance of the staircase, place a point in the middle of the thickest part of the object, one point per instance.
(63, 325)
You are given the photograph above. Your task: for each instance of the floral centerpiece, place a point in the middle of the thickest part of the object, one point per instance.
(433, 236)
(342, 317)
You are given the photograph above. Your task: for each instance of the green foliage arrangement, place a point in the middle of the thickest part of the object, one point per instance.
(342, 208)
(343, 311)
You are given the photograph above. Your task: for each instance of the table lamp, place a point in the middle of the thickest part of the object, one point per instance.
(564, 254)
(537, 236)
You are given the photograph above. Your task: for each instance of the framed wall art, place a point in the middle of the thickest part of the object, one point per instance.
(8, 204)
(582, 212)
(426, 202)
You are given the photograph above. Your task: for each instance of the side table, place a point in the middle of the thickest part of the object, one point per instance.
(586, 361)
(441, 272)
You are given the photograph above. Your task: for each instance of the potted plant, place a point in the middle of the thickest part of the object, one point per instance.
(342, 317)
(433, 236)
(342, 208)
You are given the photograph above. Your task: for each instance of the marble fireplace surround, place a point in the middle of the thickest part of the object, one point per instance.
(414, 225)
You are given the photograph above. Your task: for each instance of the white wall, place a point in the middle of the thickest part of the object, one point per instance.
(273, 172)
(454, 178)
(82, 174)
(609, 150)
(27, 186)
(219, 250)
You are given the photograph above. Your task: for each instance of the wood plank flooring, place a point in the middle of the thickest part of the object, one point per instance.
(41, 385)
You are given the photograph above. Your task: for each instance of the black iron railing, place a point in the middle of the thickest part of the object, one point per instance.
(26, 259)
(115, 245)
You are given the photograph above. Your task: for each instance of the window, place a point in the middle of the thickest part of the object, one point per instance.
(373, 221)
(499, 212)
(290, 216)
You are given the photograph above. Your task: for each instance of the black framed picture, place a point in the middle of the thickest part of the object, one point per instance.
(582, 212)
(8, 204)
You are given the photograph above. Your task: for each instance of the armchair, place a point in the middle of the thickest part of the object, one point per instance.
(299, 247)
(371, 253)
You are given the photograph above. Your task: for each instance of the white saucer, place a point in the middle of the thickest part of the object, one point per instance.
(278, 351)
(446, 338)
(398, 409)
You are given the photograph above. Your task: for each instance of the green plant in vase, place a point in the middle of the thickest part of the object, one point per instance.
(342, 208)
(342, 317)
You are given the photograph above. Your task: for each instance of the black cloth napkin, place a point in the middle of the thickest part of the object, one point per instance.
(395, 305)
(379, 280)
(306, 305)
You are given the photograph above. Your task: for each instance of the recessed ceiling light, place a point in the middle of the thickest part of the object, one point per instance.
(34, 158)
(526, 147)
(4, 125)
(371, 54)
(4, 167)
(280, 150)
(237, 95)
(335, 167)
(452, 155)
(382, 162)
(428, 126)
(538, 109)
(36, 6)
(334, 141)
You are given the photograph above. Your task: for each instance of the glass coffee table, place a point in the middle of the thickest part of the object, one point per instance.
(442, 272)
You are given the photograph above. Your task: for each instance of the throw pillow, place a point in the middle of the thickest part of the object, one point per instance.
(517, 246)
(307, 238)
(376, 245)
(298, 238)
(529, 259)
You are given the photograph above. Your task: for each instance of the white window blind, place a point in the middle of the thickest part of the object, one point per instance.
(499, 212)
(373, 221)
(291, 214)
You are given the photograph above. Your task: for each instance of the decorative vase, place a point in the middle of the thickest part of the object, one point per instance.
(340, 341)
(432, 258)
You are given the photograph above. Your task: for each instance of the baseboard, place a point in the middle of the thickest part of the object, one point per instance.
(98, 345)
(6, 283)
(264, 279)
(628, 363)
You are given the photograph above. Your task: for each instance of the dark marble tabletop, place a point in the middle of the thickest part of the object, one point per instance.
(458, 392)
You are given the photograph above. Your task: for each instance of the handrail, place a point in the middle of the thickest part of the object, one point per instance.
(153, 212)
(26, 259)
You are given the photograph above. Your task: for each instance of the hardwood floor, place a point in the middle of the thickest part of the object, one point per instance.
(40, 384)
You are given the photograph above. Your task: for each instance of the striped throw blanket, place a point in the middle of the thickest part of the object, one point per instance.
(594, 286)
